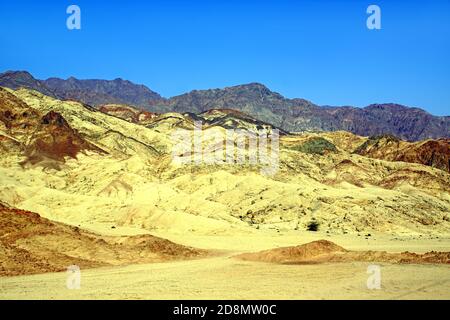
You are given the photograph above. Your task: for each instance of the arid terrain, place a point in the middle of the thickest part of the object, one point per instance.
(225, 277)
(98, 188)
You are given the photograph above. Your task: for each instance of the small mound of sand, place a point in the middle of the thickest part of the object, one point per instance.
(325, 251)
(305, 253)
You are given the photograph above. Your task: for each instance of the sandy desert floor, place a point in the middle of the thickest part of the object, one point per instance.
(224, 277)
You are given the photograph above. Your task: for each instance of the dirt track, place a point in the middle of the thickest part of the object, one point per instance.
(225, 277)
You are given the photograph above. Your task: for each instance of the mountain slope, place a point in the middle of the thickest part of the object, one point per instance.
(98, 92)
(43, 138)
(434, 153)
(127, 113)
(224, 118)
(23, 79)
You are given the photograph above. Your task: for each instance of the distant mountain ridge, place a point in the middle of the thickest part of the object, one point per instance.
(299, 114)
(23, 79)
(254, 99)
(96, 92)
(92, 92)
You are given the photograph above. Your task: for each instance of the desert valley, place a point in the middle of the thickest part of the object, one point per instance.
(87, 178)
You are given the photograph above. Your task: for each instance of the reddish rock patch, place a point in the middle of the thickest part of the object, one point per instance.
(31, 244)
(54, 139)
(433, 153)
(128, 113)
(323, 251)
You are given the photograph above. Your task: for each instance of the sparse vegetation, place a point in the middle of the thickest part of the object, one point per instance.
(316, 145)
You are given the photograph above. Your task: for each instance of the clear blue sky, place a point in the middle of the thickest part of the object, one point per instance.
(318, 50)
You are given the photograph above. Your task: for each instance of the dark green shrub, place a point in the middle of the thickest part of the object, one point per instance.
(313, 225)
(316, 145)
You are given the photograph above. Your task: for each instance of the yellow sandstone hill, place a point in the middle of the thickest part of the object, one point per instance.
(123, 176)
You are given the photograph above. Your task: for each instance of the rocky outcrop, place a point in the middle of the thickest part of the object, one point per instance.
(434, 153)
(128, 113)
(42, 138)
(54, 139)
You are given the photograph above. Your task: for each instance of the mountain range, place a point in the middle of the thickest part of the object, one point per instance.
(254, 99)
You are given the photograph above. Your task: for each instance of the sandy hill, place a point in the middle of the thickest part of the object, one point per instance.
(32, 244)
(322, 251)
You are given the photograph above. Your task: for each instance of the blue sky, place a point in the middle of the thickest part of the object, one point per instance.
(318, 50)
